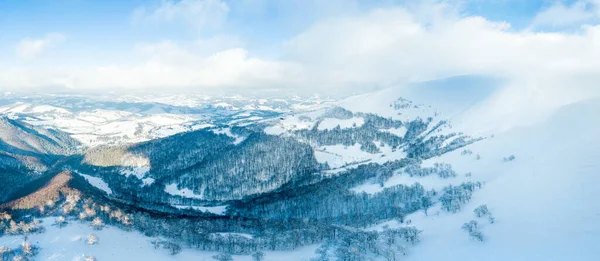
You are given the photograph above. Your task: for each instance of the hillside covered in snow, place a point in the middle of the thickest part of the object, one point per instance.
(435, 170)
(104, 120)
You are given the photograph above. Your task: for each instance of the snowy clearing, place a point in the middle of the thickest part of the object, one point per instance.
(186, 193)
(97, 182)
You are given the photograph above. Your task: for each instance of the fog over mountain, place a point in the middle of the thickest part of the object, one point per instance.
(257, 130)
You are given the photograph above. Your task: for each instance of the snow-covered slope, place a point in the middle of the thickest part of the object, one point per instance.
(27, 152)
(537, 163)
(449, 97)
(69, 243)
(440, 107)
(544, 201)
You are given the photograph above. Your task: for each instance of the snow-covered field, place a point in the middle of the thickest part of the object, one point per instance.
(69, 244)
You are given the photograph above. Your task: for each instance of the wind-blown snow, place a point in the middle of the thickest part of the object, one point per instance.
(97, 182)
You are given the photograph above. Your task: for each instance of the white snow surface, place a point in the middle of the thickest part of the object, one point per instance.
(227, 131)
(217, 210)
(544, 201)
(291, 123)
(147, 181)
(248, 236)
(100, 126)
(97, 182)
(331, 123)
(184, 192)
(428, 182)
(68, 244)
(138, 172)
(339, 155)
(400, 132)
(98, 120)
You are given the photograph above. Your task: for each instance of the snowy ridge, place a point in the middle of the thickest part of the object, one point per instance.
(541, 190)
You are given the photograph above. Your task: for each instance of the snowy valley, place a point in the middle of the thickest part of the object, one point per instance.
(435, 170)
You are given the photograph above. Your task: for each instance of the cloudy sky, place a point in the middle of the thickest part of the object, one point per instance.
(341, 46)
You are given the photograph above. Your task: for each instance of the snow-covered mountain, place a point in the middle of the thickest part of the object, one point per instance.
(98, 120)
(543, 200)
(437, 170)
(27, 152)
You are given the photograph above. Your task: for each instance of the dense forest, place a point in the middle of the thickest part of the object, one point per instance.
(275, 193)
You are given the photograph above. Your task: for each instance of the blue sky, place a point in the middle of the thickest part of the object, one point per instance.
(70, 43)
(110, 21)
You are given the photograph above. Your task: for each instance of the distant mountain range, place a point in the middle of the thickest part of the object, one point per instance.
(95, 121)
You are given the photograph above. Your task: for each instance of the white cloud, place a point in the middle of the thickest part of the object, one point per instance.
(199, 14)
(166, 66)
(377, 48)
(560, 15)
(32, 48)
(391, 46)
(171, 66)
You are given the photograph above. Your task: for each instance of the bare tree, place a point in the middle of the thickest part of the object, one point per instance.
(92, 239)
(258, 256)
(97, 223)
(223, 257)
(156, 242)
(60, 221)
(481, 211)
(4, 252)
(470, 226)
(172, 247)
(27, 248)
